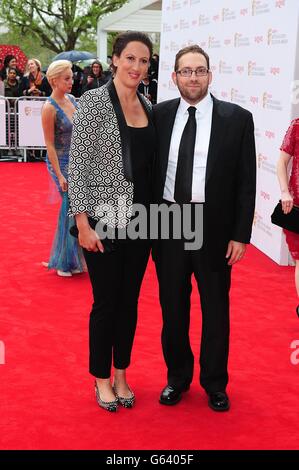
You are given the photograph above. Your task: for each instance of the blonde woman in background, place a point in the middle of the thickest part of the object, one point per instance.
(57, 120)
(34, 82)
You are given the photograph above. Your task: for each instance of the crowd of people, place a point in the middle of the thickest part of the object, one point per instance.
(33, 82)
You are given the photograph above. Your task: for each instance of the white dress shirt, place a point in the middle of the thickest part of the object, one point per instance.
(203, 118)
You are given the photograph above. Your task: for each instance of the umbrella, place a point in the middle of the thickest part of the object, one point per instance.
(74, 56)
(85, 63)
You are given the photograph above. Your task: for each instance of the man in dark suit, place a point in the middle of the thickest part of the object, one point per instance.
(206, 155)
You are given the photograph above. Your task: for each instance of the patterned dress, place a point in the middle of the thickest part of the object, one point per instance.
(290, 145)
(66, 254)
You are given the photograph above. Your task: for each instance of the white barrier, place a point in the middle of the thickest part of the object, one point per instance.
(3, 126)
(30, 132)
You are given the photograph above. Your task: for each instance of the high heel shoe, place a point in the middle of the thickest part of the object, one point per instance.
(107, 405)
(64, 273)
(297, 310)
(125, 402)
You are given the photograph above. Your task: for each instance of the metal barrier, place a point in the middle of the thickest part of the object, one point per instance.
(20, 120)
(28, 126)
(6, 129)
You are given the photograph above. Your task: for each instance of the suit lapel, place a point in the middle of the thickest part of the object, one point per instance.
(123, 130)
(217, 134)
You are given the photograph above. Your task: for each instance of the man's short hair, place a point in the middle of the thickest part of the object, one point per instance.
(195, 49)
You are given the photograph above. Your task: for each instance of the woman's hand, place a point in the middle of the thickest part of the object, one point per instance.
(286, 202)
(62, 183)
(90, 240)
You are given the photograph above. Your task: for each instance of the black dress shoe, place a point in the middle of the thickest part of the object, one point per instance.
(297, 310)
(171, 395)
(219, 401)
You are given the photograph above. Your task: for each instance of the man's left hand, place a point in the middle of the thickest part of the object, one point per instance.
(235, 252)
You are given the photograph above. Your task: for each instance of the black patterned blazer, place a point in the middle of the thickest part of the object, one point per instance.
(100, 177)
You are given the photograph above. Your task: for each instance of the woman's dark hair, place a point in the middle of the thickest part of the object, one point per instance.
(97, 62)
(122, 40)
(7, 59)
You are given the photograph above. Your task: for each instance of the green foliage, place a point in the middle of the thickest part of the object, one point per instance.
(58, 25)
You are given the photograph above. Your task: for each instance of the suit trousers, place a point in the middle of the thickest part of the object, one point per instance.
(175, 266)
(116, 280)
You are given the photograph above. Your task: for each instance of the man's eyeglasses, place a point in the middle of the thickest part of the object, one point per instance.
(199, 72)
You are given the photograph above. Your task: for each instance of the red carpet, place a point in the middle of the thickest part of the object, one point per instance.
(47, 399)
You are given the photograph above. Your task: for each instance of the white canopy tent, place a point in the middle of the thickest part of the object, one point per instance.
(137, 15)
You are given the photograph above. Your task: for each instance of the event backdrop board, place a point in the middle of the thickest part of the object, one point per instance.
(252, 47)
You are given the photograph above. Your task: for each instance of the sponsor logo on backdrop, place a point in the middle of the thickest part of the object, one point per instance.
(240, 69)
(213, 42)
(255, 217)
(295, 92)
(268, 102)
(258, 7)
(184, 24)
(253, 69)
(213, 68)
(240, 40)
(261, 225)
(176, 5)
(274, 37)
(237, 97)
(257, 132)
(166, 27)
(203, 20)
(244, 11)
(280, 3)
(259, 39)
(224, 94)
(32, 111)
(174, 46)
(225, 68)
(194, 2)
(269, 134)
(228, 14)
(216, 17)
(203, 44)
(254, 100)
(264, 164)
(171, 85)
(274, 71)
(227, 41)
(264, 195)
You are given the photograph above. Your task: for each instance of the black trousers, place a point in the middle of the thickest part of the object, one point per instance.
(175, 267)
(116, 280)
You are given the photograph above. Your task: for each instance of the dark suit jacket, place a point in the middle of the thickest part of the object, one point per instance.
(230, 174)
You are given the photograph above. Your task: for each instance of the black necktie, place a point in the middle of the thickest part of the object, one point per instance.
(184, 170)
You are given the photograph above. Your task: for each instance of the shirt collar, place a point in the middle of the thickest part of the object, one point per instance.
(201, 107)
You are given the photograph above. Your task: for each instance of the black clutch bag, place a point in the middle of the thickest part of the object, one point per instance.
(108, 243)
(288, 221)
